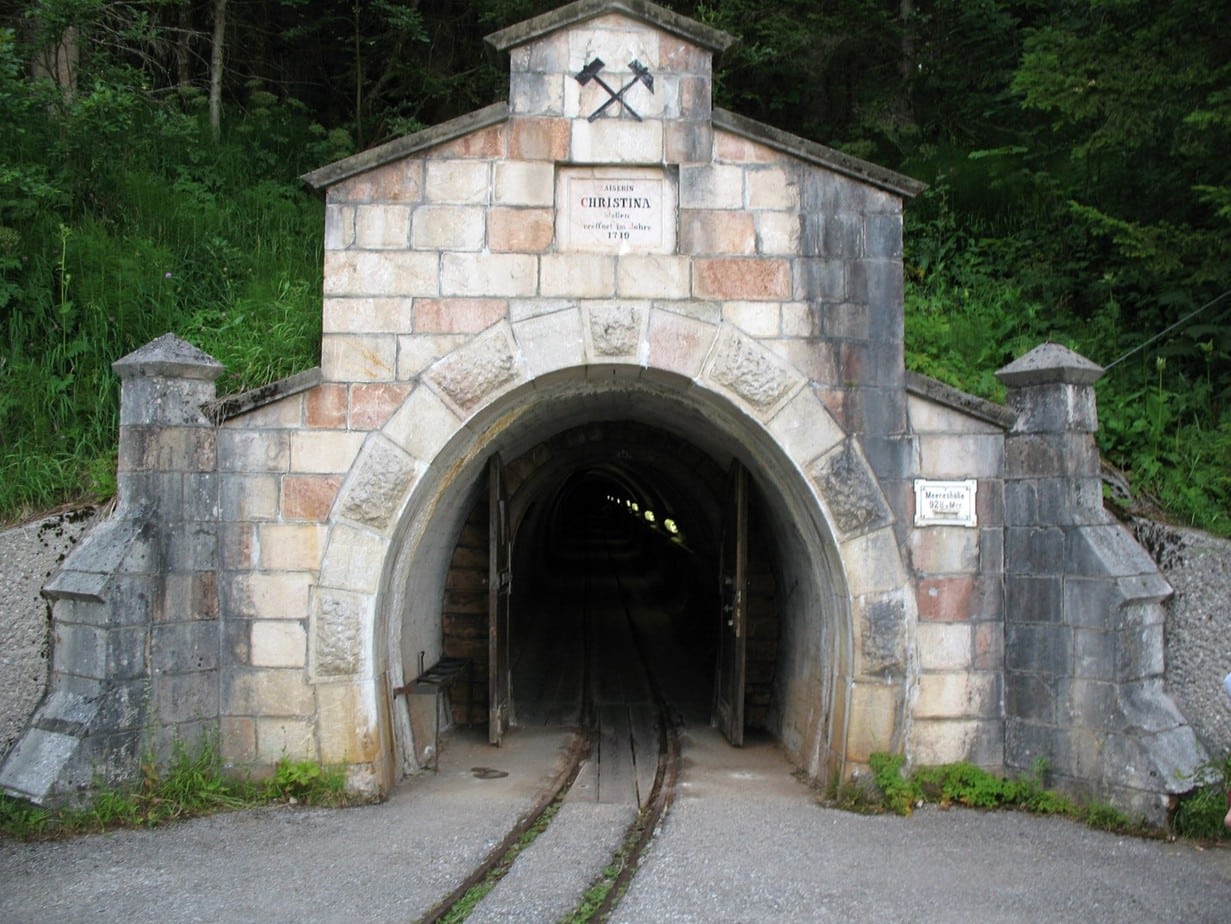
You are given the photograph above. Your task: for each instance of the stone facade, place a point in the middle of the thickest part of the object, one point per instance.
(607, 247)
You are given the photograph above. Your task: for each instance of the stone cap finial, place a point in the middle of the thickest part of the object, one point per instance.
(171, 357)
(1050, 364)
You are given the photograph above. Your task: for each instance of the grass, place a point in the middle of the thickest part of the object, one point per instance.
(462, 908)
(1199, 816)
(191, 785)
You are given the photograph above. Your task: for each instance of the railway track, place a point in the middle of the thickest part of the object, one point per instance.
(623, 708)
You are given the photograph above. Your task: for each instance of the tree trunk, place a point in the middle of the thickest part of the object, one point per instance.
(906, 60)
(183, 48)
(215, 70)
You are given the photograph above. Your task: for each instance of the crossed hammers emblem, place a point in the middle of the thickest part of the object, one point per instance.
(641, 74)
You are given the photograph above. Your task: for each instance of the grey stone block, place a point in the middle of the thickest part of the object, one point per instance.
(1040, 649)
(883, 236)
(819, 280)
(1037, 551)
(1094, 654)
(1030, 697)
(842, 236)
(187, 699)
(891, 457)
(185, 647)
(1091, 602)
(1020, 502)
(1089, 703)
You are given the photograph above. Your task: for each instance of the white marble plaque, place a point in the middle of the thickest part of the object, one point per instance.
(945, 503)
(615, 210)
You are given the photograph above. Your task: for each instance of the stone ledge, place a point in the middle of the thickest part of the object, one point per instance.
(235, 405)
(934, 390)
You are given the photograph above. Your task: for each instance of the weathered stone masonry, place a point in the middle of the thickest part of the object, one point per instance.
(473, 305)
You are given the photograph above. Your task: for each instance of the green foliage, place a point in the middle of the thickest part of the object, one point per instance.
(962, 783)
(193, 783)
(305, 781)
(132, 223)
(1201, 812)
(900, 792)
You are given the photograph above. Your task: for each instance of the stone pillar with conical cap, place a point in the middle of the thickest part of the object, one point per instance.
(1083, 616)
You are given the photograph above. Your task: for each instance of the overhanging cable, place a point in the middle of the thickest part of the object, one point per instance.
(1163, 333)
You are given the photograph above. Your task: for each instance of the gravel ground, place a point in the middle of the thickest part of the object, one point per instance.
(744, 842)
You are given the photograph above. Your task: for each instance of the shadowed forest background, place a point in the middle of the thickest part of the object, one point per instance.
(1076, 156)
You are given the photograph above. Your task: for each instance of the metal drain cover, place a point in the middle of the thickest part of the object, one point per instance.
(488, 773)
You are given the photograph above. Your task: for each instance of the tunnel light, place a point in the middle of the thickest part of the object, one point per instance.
(634, 507)
(649, 516)
(669, 526)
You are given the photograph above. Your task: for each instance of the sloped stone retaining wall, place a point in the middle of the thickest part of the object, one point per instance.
(30, 553)
(1198, 641)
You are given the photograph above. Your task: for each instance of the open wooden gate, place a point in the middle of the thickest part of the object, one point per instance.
(499, 587)
(732, 630)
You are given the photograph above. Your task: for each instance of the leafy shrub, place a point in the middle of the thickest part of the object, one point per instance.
(1201, 812)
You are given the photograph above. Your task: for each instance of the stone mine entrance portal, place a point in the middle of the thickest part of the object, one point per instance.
(628, 509)
(605, 357)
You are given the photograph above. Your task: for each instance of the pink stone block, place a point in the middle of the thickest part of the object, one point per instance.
(709, 231)
(733, 149)
(373, 403)
(458, 315)
(742, 278)
(308, 497)
(485, 143)
(539, 139)
(400, 181)
(950, 598)
(520, 230)
(325, 406)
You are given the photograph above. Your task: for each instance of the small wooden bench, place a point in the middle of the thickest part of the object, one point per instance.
(434, 681)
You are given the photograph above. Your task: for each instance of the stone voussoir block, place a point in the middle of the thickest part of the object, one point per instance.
(478, 371)
(678, 343)
(377, 487)
(550, 342)
(422, 425)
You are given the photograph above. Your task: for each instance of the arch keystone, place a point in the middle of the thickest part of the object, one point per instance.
(615, 331)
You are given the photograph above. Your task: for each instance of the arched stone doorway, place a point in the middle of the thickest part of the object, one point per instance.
(663, 438)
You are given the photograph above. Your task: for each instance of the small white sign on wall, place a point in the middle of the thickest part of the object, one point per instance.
(945, 503)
